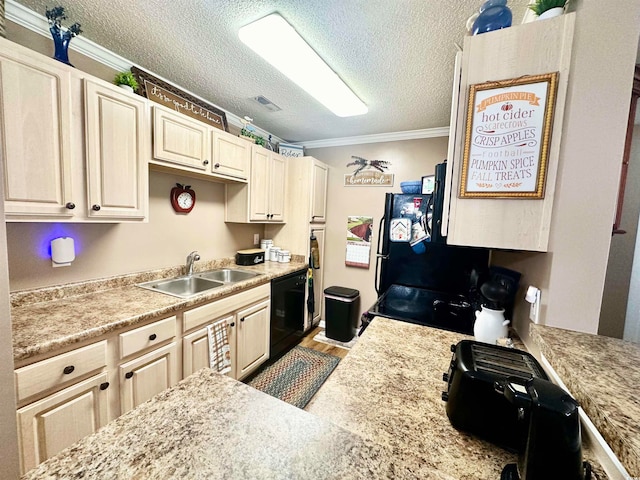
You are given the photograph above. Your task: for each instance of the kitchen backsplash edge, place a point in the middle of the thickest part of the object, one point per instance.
(21, 298)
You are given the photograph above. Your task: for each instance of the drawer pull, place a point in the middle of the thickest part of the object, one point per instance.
(96, 208)
(104, 386)
(232, 324)
(128, 375)
(153, 336)
(242, 319)
(217, 165)
(206, 162)
(70, 205)
(68, 370)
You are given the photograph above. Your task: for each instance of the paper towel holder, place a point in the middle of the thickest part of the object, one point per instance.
(63, 251)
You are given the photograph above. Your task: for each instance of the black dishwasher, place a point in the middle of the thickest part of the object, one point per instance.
(287, 311)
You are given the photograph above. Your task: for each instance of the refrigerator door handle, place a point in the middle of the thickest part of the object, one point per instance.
(379, 255)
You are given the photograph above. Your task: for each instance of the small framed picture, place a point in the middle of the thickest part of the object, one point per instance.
(428, 183)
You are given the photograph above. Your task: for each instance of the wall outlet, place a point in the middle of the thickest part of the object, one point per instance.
(534, 309)
(256, 239)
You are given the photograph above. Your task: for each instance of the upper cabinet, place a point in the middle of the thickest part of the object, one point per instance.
(36, 137)
(116, 125)
(180, 140)
(319, 175)
(75, 148)
(531, 49)
(183, 143)
(262, 200)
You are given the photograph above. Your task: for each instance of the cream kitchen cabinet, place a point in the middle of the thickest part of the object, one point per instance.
(247, 316)
(36, 135)
(75, 148)
(60, 402)
(148, 373)
(263, 199)
(49, 425)
(319, 182)
(116, 126)
(252, 338)
(509, 223)
(307, 183)
(183, 143)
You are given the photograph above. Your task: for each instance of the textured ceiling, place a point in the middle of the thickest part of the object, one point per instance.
(396, 55)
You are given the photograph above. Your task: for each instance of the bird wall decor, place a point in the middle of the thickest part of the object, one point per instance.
(363, 163)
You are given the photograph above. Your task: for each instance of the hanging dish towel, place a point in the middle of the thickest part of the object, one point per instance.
(219, 350)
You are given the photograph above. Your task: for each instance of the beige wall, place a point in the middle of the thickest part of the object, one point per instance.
(410, 160)
(616, 287)
(572, 274)
(113, 249)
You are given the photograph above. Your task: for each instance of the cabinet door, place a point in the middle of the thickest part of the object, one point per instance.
(195, 350)
(318, 277)
(252, 338)
(179, 140)
(36, 138)
(47, 426)
(259, 184)
(319, 179)
(277, 182)
(117, 152)
(148, 375)
(231, 155)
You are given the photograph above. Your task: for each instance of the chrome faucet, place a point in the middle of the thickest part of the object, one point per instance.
(192, 257)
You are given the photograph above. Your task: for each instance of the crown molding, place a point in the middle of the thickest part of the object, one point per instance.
(378, 138)
(37, 23)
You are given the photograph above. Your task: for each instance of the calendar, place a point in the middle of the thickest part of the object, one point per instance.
(357, 255)
(359, 230)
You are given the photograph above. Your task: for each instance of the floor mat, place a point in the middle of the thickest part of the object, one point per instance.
(296, 376)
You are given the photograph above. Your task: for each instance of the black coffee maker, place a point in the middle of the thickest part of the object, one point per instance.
(554, 443)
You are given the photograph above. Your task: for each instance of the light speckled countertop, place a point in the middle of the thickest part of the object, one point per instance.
(212, 427)
(48, 319)
(603, 374)
(388, 390)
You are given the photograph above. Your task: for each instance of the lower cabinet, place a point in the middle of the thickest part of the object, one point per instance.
(252, 339)
(64, 398)
(148, 375)
(247, 316)
(51, 424)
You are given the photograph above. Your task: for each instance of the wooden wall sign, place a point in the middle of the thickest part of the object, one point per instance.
(172, 97)
(507, 137)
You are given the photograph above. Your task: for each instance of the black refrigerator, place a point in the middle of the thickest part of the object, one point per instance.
(419, 278)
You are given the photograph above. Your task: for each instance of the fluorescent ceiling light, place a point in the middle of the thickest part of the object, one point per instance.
(279, 44)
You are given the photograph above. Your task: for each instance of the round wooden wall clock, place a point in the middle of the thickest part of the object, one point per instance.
(182, 198)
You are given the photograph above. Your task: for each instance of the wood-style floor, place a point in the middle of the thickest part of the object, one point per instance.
(307, 341)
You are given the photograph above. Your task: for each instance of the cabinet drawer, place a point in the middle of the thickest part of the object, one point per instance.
(50, 373)
(147, 336)
(200, 315)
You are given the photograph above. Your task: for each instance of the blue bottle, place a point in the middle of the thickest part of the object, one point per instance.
(494, 15)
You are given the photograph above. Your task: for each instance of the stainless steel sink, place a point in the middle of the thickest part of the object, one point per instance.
(227, 275)
(183, 287)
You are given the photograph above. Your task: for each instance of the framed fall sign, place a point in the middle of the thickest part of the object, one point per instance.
(507, 137)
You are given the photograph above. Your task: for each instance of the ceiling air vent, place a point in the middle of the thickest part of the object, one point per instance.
(266, 103)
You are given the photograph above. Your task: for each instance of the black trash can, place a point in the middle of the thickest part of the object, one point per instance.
(341, 307)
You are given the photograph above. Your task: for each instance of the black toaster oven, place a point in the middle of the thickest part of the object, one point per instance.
(474, 403)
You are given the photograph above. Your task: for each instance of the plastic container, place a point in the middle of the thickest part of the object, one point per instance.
(414, 186)
(341, 313)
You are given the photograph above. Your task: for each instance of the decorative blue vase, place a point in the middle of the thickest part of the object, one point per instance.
(61, 45)
(494, 15)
